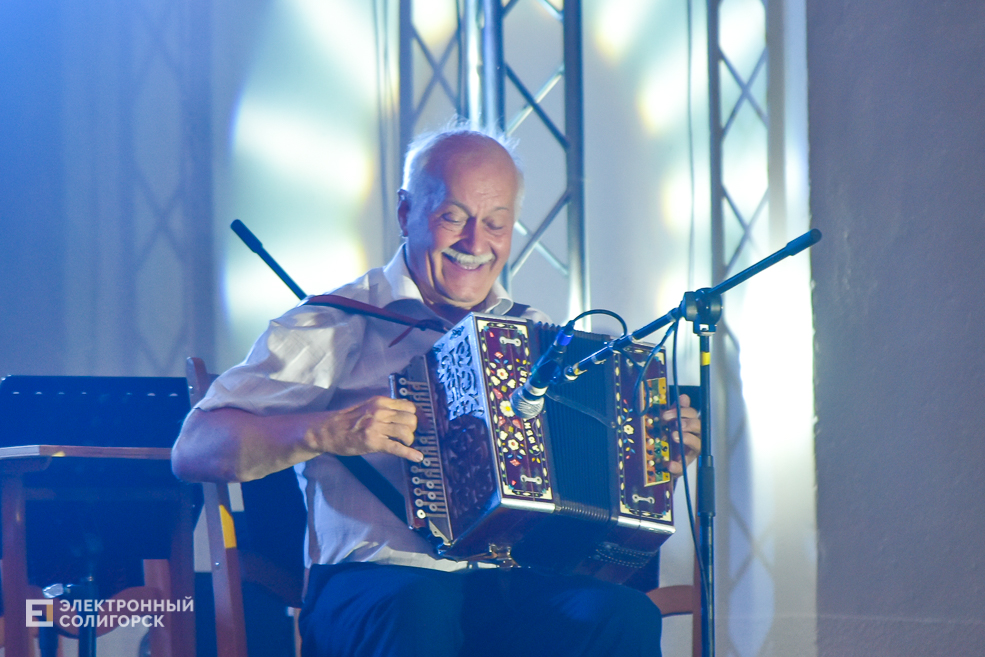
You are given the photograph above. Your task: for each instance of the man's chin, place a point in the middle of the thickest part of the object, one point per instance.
(466, 293)
(461, 300)
(466, 305)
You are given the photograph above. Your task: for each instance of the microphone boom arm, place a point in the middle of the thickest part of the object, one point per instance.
(704, 305)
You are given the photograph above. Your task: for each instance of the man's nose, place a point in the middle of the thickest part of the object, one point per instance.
(472, 239)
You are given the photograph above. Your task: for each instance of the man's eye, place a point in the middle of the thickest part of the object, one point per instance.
(453, 220)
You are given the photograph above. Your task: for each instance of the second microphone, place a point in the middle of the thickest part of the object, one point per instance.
(528, 400)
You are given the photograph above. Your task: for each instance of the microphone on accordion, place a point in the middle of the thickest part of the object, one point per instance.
(528, 400)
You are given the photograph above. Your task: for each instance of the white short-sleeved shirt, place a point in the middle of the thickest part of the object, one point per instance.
(315, 358)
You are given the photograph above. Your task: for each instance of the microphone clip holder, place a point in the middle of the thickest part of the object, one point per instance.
(703, 308)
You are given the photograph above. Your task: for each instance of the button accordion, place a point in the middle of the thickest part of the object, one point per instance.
(583, 487)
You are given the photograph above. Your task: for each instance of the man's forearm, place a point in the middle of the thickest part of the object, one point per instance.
(229, 444)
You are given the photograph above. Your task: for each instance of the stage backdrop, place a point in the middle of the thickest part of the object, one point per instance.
(135, 131)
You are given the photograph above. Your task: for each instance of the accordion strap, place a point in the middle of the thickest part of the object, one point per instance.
(516, 310)
(377, 484)
(360, 308)
(360, 468)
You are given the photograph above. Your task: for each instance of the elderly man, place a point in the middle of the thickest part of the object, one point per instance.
(315, 386)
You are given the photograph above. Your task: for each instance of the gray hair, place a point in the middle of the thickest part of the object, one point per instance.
(429, 191)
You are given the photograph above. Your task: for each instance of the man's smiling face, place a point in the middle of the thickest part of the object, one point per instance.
(459, 239)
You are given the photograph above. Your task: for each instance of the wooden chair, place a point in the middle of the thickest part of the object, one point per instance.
(33, 593)
(232, 565)
(679, 600)
(683, 598)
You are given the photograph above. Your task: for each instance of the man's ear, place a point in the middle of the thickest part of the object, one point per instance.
(403, 210)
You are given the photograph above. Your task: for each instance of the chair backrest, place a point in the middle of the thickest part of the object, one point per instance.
(198, 379)
(682, 599)
(227, 588)
(263, 545)
(274, 517)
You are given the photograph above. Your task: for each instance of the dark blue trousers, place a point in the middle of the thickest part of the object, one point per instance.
(370, 610)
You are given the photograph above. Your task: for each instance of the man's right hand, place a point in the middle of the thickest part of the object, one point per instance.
(379, 424)
(229, 444)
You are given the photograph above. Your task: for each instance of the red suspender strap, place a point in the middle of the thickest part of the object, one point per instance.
(360, 308)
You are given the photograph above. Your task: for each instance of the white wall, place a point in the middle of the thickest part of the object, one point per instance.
(897, 145)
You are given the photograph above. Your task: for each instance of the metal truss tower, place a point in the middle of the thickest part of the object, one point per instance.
(746, 115)
(477, 91)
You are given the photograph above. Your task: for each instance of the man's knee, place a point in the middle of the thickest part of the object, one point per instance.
(613, 619)
(624, 606)
(383, 610)
(421, 600)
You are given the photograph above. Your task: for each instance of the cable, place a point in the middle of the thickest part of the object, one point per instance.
(580, 408)
(601, 311)
(687, 489)
(640, 380)
(692, 245)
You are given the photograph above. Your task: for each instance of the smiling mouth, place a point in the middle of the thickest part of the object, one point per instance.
(466, 261)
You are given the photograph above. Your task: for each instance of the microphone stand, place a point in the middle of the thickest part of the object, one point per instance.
(703, 308)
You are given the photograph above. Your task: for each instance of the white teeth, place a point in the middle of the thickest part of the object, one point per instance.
(466, 261)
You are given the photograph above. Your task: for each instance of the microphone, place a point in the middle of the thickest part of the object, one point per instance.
(250, 240)
(245, 234)
(528, 400)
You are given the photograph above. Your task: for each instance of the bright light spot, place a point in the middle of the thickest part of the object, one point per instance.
(317, 265)
(435, 20)
(675, 196)
(742, 34)
(746, 178)
(670, 291)
(617, 25)
(662, 100)
(305, 152)
(796, 178)
(346, 37)
(776, 359)
(329, 263)
(254, 294)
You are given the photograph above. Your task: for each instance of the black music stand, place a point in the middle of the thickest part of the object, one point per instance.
(87, 493)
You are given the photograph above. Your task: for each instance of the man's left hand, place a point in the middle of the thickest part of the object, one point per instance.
(691, 424)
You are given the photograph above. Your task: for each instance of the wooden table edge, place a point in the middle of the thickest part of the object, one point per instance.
(80, 451)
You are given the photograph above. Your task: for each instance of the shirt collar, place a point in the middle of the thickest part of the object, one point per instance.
(402, 286)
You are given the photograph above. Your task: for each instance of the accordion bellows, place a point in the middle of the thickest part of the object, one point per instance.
(582, 487)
